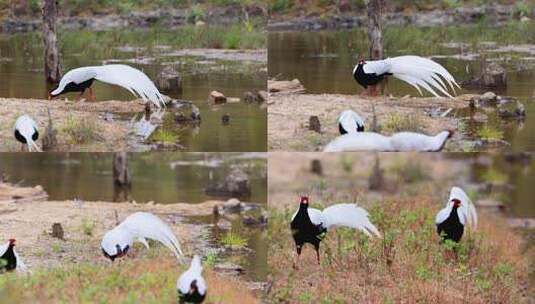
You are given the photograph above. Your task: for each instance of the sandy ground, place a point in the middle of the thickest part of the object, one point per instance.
(288, 116)
(113, 133)
(290, 175)
(30, 222)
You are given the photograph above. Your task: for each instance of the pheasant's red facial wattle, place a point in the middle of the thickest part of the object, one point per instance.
(456, 203)
(361, 61)
(304, 199)
(12, 242)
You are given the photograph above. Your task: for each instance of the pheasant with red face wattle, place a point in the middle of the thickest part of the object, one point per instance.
(9, 258)
(310, 225)
(417, 71)
(459, 211)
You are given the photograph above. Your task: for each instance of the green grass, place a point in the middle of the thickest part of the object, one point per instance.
(407, 265)
(488, 132)
(395, 122)
(164, 136)
(127, 281)
(80, 130)
(87, 226)
(233, 240)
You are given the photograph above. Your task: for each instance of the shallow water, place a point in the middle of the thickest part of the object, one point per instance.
(323, 62)
(21, 76)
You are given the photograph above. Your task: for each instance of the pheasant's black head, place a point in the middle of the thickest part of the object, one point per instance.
(12, 242)
(450, 133)
(304, 200)
(456, 203)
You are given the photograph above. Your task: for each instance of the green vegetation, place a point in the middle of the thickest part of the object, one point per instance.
(130, 281)
(494, 176)
(164, 136)
(396, 122)
(87, 226)
(488, 132)
(233, 240)
(407, 265)
(80, 130)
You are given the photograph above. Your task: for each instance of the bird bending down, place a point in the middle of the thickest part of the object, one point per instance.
(402, 141)
(458, 212)
(190, 285)
(26, 132)
(417, 71)
(138, 227)
(135, 81)
(310, 225)
(350, 122)
(10, 259)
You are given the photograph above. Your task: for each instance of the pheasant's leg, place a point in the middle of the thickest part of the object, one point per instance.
(318, 256)
(80, 96)
(365, 92)
(296, 260)
(91, 96)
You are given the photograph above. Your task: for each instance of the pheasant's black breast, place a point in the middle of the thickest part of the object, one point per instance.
(77, 87)
(451, 228)
(304, 231)
(365, 79)
(10, 260)
(194, 297)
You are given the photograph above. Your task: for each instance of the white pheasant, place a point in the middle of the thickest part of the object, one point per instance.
(26, 132)
(402, 141)
(135, 81)
(419, 72)
(350, 122)
(190, 285)
(138, 227)
(309, 225)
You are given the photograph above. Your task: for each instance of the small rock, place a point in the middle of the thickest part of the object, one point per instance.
(225, 119)
(236, 184)
(255, 221)
(224, 224)
(525, 19)
(200, 23)
(263, 96)
(250, 97)
(293, 86)
(494, 75)
(57, 231)
(229, 268)
(488, 97)
(233, 100)
(217, 97)
(517, 111)
(168, 80)
(314, 124)
(315, 167)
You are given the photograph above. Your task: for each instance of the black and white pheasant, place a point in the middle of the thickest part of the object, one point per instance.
(458, 213)
(190, 285)
(135, 81)
(417, 71)
(9, 259)
(138, 227)
(310, 225)
(26, 132)
(350, 122)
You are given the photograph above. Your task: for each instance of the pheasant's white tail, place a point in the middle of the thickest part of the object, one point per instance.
(423, 73)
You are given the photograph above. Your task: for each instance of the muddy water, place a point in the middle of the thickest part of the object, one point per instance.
(149, 50)
(323, 62)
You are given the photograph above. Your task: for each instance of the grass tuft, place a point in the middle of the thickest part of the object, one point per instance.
(488, 132)
(233, 240)
(81, 130)
(165, 136)
(402, 123)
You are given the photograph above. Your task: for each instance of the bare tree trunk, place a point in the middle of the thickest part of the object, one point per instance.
(121, 176)
(52, 66)
(375, 29)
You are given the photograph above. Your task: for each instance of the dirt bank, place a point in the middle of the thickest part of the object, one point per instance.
(307, 19)
(288, 116)
(111, 134)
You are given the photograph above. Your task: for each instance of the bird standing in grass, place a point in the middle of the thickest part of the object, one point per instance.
(135, 81)
(310, 225)
(417, 71)
(26, 132)
(458, 212)
(191, 285)
(138, 227)
(350, 122)
(9, 259)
